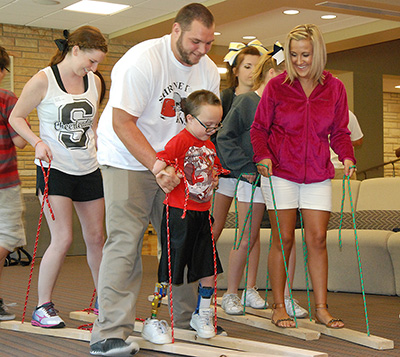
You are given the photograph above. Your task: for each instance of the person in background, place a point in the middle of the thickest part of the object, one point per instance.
(141, 116)
(240, 60)
(356, 136)
(237, 153)
(12, 231)
(66, 95)
(302, 112)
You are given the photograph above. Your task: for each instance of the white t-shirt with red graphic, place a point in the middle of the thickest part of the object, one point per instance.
(149, 82)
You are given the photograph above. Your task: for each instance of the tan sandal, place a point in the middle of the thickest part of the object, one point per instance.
(278, 323)
(330, 322)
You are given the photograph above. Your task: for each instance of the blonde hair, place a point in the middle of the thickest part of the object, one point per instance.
(263, 66)
(312, 33)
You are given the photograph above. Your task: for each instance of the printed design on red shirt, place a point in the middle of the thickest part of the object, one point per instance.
(198, 168)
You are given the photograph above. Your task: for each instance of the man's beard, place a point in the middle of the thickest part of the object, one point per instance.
(182, 53)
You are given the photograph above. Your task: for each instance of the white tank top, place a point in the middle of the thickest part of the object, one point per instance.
(66, 125)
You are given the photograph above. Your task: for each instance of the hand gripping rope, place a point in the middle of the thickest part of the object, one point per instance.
(356, 240)
(174, 164)
(44, 200)
(281, 243)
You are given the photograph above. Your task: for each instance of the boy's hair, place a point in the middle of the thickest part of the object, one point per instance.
(232, 79)
(4, 58)
(307, 32)
(263, 66)
(86, 38)
(192, 12)
(193, 103)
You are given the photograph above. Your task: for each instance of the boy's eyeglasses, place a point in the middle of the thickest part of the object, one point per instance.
(209, 129)
(7, 69)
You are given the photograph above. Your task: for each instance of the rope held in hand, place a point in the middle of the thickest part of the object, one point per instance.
(44, 200)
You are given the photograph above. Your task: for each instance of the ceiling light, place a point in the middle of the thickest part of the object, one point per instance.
(398, 87)
(291, 12)
(328, 17)
(249, 37)
(97, 7)
(222, 70)
(217, 33)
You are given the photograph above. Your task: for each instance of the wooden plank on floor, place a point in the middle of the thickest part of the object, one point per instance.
(260, 322)
(219, 341)
(178, 348)
(360, 338)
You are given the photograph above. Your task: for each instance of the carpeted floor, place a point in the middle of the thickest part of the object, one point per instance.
(74, 291)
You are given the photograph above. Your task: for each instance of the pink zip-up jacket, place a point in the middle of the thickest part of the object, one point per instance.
(294, 131)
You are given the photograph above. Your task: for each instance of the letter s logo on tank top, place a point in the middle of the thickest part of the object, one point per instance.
(74, 121)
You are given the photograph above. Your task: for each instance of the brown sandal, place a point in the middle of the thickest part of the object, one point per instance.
(277, 323)
(330, 322)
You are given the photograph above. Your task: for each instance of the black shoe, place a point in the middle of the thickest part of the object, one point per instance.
(114, 347)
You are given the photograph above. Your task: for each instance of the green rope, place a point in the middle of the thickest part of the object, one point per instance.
(358, 254)
(305, 258)
(267, 282)
(213, 201)
(236, 213)
(341, 211)
(281, 243)
(249, 216)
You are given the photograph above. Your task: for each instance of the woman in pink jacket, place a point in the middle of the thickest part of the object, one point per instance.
(301, 113)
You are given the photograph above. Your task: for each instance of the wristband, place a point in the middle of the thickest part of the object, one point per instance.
(40, 141)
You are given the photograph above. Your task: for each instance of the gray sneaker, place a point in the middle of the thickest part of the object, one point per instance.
(300, 312)
(4, 314)
(231, 304)
(114, 347)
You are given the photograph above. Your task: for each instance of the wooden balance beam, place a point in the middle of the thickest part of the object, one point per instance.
(177, 348)
(218, 341)
(360, 338)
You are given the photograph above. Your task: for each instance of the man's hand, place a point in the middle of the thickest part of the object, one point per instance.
(168, 179)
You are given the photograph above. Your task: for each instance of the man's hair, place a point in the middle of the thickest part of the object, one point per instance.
(193, 103)
(192, 12)
(4, 58)
(313, 34)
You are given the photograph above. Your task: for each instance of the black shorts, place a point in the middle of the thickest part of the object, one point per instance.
(78, 188)
(191, 246)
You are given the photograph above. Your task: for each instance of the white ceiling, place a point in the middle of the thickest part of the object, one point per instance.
(268, 23)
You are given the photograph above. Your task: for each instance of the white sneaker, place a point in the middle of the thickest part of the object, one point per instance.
(203, 323)
(253, 299)
(156, 331)
(231, 304)
(300, 312)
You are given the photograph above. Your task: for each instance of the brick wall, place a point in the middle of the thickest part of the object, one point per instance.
(391, 130)
(32, 48)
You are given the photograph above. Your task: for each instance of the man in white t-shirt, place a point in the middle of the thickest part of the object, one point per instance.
(356, 136)
(142, 115)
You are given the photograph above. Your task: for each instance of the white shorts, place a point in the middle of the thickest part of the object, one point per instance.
(288, 194)
(244, 193)
(226, 186)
